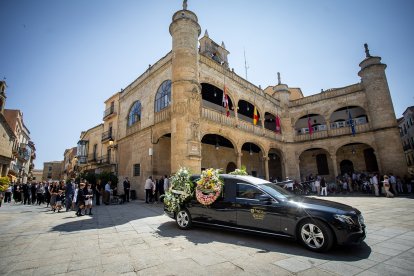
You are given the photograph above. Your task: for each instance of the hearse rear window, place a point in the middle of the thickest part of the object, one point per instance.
(248, 191)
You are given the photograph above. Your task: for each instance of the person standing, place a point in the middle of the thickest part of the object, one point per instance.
(149, 186)
(33, 192)
(393, 183)
(318, 185)
(88, 193)
(161, 186)
(80, 199)
(26, 194)
(386, 183)
(107, 193)
(374, 182)
(69, 194)
(127, 187)
(166, 183)
(39, 191)
(98, 189)
(324, 188)
(7, 194)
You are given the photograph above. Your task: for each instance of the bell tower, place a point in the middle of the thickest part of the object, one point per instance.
(186, 92)
(381, 115)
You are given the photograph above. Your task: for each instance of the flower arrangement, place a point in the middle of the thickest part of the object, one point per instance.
(209, 187)
(4, 183)
(180, 191)
(241, 171)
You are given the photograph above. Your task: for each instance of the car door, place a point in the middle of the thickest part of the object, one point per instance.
(254, 214)
(220, 212)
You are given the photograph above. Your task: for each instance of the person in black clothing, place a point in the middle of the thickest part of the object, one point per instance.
(33, 191)
(127, 187)
(97, 190)
(80, 199)
(160, 186)
(26, 194)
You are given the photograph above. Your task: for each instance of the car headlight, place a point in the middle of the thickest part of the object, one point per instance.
(345, 218)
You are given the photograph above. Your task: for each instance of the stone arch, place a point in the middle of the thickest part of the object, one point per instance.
(316, 160)
(313, 147)
(361, 154)
(318, 123)
(359, 141)
(229, 93)
(276, 164)
(160, 132)
(162, 97)
(216, 151)
(228, 136)
(244, 109)
(339, 117)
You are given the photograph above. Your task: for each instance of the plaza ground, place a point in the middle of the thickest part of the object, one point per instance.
(137, 239)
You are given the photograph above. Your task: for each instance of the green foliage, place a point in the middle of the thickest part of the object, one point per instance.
(241, 171)
(180, 191)
(4, 183)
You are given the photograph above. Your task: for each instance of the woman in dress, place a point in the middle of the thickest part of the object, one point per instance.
(53, 194)
(80, 199)
(89, 197)
(386, 184)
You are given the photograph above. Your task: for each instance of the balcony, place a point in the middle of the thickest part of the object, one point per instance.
(14, 169)
(105, 159)
(109, 113)
(92, 158)
(82, 159)
(337, 129)
(107, 135)
(133, 128)
(163, 115)
(222, 119)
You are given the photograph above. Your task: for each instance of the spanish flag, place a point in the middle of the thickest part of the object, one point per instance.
(255, 116)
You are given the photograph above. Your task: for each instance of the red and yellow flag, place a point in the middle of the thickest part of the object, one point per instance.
(255, 116)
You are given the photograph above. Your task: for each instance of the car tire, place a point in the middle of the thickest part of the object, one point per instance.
(183, 219)
(315, 235)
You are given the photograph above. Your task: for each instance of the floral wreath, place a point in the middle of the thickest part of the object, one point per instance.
(209, 187)
(180, 191)
(241, 171)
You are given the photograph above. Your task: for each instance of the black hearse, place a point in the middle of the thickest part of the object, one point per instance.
(254, 205)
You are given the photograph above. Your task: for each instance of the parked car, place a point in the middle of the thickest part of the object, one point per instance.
(254, 205)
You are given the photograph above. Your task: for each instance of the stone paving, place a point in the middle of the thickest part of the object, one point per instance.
(137, 239)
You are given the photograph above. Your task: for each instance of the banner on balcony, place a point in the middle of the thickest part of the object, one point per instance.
(278, 130)
(310, 126)
(226, 101)
(351, 123)
(255, 116)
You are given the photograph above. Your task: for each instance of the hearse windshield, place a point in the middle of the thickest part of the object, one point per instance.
(276, 191)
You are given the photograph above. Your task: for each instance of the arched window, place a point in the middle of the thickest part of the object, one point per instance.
(163, 96)
(134, 113)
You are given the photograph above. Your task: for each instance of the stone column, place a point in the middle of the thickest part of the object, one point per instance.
(239, 159)
(185, 93)
(335, 165)
(266, 166)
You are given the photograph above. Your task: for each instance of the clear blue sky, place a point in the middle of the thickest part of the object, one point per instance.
(63, 59)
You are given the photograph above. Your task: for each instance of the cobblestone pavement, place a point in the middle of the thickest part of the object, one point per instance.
(136, 238)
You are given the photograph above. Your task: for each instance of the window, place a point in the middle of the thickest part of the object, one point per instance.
(137, 169)
(163, 96)
(248, 191)
(134, 114)
(50, 168)
(322, 163)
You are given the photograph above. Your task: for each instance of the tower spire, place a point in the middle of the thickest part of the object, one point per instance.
(278, 78)
(184, 4)
(367, 54)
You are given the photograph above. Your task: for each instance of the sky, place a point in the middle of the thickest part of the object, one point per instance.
(62, 59)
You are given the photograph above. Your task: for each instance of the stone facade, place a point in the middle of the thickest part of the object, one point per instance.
(173, 115)
(406, 123)
(52, 171)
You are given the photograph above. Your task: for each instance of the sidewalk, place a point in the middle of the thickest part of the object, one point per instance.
(137, 239)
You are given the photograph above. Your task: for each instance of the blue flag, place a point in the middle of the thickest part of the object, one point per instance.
(351, 123)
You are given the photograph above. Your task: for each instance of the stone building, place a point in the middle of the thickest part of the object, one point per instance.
(406, 123)
(69, 163)
(7, 135)
(189, 109)
(37, 175)
(52, 171)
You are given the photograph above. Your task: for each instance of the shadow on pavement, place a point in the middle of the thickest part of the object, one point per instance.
(106, 216)
(264, 244)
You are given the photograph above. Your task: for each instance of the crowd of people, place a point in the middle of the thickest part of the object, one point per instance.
(387, 185)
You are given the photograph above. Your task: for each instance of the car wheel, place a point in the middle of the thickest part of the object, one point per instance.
(315, 235)
(183, 219)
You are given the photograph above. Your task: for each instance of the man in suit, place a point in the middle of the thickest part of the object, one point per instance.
(127, 187)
